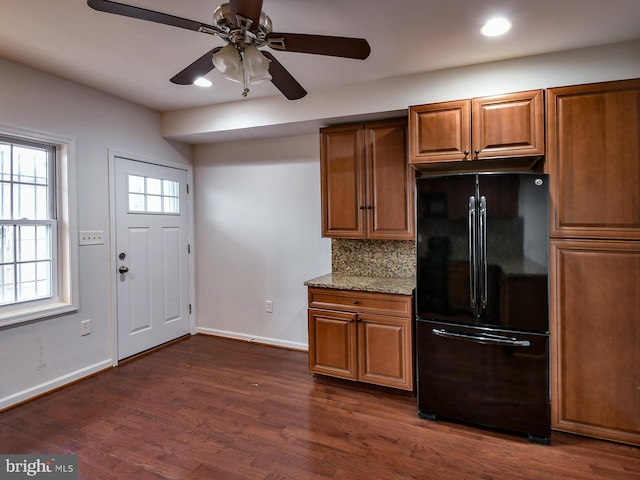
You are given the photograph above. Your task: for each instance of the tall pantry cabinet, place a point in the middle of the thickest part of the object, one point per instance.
(593, 157)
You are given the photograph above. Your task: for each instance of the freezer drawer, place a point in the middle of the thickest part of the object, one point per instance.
(495, 378)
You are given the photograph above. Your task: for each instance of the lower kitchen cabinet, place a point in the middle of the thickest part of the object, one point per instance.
(595, 336)
(361, 336)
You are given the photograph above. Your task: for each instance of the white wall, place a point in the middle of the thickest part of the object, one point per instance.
(42, 355)
(258, 237)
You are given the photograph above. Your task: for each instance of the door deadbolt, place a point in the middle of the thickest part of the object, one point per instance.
(122, 256)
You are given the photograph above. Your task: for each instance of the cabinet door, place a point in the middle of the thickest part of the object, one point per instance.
(384, 351)
(440, 132)
(389, 181)
(509, 125)
(594, 160)
(342, 181)
(332, 343)
(595, 332)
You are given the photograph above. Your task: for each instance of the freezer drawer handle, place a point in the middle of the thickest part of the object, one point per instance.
(486, 339)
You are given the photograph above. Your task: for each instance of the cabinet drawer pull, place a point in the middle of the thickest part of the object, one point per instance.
(355, 302)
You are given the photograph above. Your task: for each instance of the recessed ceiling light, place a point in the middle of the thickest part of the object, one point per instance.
(495, 27)
(202, 82)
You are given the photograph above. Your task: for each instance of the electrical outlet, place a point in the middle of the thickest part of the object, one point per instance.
(93, 237)
(85, 327)
(269, 306)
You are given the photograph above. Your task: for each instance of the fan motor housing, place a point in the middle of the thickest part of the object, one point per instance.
(241, 29)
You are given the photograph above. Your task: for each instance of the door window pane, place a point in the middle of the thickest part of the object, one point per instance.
(153, 195)
(136, 184)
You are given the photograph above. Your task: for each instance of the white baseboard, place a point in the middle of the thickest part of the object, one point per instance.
(248, 338)
(53, 384)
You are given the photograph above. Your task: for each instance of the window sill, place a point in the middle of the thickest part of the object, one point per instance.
(41, 312)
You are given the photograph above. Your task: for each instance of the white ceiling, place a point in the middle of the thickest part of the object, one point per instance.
(135, 59)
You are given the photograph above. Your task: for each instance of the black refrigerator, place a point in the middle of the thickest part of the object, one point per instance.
(482, 301)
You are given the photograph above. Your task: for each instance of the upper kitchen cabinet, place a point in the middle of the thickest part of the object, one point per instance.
(498, 127)
(366, 181)
(594, 160)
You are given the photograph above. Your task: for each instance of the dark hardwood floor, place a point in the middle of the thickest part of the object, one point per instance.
(211, 408)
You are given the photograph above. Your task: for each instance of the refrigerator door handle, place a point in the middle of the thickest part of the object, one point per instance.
(472, 250)
(484, 279)
(483, 338)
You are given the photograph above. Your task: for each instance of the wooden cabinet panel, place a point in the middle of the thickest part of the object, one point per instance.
(509, 128)
(440, 132)
(384, 351)
(363, 336)
(508, 125)
(332, 343)
(366, 181)
(595, 332)
(390, 182)
(594, 160)
(342, 181)
(357, 301)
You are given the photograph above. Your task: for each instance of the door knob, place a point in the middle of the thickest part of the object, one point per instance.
(123, 269)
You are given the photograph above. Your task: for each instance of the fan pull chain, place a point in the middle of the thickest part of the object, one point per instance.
(246, 88)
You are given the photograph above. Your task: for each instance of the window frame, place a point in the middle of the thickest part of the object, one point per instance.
(64, 266)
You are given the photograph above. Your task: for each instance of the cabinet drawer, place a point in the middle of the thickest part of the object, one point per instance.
(356, 301)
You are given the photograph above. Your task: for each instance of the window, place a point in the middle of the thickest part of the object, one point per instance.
(36, 257)
(153, 195)
(27, 222)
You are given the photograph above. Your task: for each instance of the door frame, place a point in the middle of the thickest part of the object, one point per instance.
(113, 314)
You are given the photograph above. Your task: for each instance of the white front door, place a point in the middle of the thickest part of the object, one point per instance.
(152, 255)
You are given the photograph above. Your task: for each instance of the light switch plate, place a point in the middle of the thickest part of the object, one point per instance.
(93, 237)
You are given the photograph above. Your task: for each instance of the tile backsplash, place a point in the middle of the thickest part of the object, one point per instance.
(377, 258)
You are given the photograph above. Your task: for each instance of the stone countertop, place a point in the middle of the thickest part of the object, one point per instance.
(401, 286)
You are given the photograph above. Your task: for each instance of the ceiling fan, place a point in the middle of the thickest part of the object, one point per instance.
(245, 28)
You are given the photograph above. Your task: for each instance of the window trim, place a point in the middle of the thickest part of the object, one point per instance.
(67, 300)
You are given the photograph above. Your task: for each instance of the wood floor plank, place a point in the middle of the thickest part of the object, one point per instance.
(212, 408)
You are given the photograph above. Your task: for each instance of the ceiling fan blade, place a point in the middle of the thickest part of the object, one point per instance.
(283, 80)
(199, 68)
(320, 45)
(250, 9)
(144, 14)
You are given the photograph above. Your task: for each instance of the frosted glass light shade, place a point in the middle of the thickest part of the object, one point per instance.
(255, 65)
(227, 60)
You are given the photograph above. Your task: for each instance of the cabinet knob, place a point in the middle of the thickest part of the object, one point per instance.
(466, 152)
(362, 207)
(355, 302)
(477, 152)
